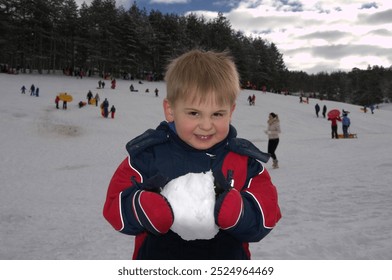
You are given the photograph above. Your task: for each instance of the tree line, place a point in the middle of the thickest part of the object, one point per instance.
(48, 35)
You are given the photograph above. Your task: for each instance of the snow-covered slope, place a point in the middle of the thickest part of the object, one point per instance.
(55, 166)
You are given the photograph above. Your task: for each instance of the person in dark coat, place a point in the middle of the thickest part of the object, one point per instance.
(105, 107)
(112, 111)
(89, 97)
(32, 90)
(317, 108)
(324, 111)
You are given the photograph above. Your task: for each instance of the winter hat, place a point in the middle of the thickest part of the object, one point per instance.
(273, 115)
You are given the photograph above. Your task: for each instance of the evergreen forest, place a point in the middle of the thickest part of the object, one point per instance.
(51, 35)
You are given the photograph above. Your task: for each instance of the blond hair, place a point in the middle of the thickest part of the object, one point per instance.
(198, 74)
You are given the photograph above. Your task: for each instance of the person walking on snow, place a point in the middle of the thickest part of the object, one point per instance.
(317, 108)
(96, 99)
(273, 132)
(324, 111)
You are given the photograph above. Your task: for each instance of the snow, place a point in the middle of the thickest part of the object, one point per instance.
(192, 198)
(335, 195)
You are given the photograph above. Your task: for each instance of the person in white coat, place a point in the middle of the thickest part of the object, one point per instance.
(273, 132)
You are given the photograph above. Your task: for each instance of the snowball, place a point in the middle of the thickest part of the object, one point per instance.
(192, 198)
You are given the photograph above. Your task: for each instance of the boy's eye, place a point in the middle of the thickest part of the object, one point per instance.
(218, 114)
(192, 113)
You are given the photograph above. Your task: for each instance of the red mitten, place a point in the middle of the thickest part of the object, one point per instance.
(153, 211)
(228, 209)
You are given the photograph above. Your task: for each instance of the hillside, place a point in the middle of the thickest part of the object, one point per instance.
(334, 194)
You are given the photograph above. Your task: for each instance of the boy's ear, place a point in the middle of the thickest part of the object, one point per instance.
(232, 109)
(168, 110)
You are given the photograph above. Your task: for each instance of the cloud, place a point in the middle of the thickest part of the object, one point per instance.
(383, 17)
(369, 5)
(312, 35)
(323, 33)
(170, 1)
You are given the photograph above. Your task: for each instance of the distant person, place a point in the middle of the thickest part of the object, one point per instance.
(64, 104)
(96, 99)
(324, 111)
(89, 96)
(317, 109)
(105, 107)
(37, 92)
(112, 111)
(156, 92)
(345, 125)
(250, 100)
(132, 89)
(32, 90)
(334, 126)
(56, 101)
(273, 132)
(23, 90)
(371, 107)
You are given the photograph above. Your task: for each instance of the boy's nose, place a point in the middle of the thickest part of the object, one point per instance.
(205, 124)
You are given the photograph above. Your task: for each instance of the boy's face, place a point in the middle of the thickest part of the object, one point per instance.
(199, 124)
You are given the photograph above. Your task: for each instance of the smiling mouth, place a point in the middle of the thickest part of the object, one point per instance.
(204, 137)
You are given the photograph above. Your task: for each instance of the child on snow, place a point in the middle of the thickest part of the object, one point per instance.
(196, 137)
(345, 125)
(57, 100)
(112, 111)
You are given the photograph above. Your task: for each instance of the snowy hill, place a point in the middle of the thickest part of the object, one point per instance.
(55, 167)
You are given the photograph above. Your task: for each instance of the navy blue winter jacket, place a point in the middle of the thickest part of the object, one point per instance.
(161, 151)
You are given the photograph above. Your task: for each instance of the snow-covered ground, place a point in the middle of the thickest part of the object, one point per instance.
(335, 195)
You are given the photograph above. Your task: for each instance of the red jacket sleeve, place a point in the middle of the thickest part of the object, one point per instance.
(121, 181)
(260, 197)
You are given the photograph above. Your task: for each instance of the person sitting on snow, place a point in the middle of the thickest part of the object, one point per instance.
(195, 137)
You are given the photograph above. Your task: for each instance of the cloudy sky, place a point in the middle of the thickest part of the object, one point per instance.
(312, 35)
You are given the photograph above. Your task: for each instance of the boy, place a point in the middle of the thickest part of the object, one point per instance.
(196, 137)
